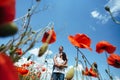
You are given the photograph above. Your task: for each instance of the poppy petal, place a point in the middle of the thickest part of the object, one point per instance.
(80, 40)
(114, 60)
(105, 46)
(7, 11)
(73, 41)
(52, 38)
(7, 69)
(22, 70)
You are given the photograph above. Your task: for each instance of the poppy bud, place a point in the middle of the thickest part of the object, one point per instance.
(43, 49)
(107, 8)
(29, 57)
(8, 29)
(70, 74)
(94, 67)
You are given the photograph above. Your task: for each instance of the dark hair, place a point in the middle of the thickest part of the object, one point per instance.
(64, 56)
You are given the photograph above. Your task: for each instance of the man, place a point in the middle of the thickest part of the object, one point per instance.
(60, 63)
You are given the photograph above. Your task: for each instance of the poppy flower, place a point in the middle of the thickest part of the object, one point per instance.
(80, 41)
(25, 65)
(105, 46)
(90, 72)
(19, 51)
(7, 11)
(38, 74)
(32, 62)
(85, 72)
(43, 69)
(7, 69)
(114, 60)
(49, 37)
(22, 70)
(7, 15)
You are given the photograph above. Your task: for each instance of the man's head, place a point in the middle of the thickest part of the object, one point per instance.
(61, 49)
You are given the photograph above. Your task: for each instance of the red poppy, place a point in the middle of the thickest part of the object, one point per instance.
(32, 62)
(80, 40)
(7, 15)
(19, 51)
(49, 37)
(105, 46)
(85, 72)
(7, 11)
(7, 69)
(38, 74)
(90, 72)
(114, 60)
(24, 65)
(43, 69)
(22, 70)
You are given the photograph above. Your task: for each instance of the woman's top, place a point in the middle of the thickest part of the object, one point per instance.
(59, 61)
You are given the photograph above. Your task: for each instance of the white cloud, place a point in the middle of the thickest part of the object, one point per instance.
(21, 61)
(80, 67)
(92, 27)
(36, 50)
(95, 14)
(103, 18)
(117, 78)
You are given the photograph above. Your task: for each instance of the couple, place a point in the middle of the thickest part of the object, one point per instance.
(60, 63)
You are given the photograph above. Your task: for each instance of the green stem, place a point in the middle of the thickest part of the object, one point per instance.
(108, 70)
(116, 21)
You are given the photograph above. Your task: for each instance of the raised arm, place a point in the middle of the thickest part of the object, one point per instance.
(55, 62)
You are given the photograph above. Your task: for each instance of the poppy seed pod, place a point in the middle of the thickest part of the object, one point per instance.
(70, 74)
(43, 49)
(94, 67)
(8, 29)
(107, 8)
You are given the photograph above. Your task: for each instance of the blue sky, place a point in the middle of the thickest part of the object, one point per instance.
(77, 16)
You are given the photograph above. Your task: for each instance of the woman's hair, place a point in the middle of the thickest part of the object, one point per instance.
(64, 56)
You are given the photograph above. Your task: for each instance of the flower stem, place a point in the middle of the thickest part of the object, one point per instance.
(108, 70)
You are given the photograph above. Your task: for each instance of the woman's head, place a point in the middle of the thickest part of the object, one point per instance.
(64, 57)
